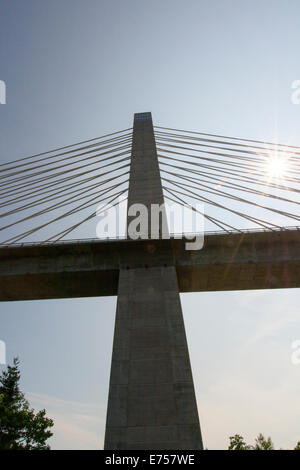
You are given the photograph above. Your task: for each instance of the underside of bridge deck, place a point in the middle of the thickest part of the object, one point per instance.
(253, 260)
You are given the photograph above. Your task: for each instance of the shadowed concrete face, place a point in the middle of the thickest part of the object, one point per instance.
(257, 260)
(151, 401)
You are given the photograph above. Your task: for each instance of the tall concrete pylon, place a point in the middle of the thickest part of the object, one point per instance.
(151, 403)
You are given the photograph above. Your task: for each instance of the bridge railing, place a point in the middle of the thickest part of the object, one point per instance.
(172, 236)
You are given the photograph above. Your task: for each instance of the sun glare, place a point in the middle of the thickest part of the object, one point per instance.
(276, 167)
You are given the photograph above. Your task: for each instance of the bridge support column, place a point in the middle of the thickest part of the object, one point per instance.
(152, 402)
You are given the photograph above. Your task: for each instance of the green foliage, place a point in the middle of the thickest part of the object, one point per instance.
(20, 426)
(261, 443)
(237, 443)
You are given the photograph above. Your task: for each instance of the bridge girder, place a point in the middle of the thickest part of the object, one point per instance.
(251, 260)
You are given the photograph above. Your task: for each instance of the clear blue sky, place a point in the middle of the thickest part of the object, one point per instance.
(78, 69)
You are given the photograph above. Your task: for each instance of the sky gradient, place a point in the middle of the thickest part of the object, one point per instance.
(79, 69)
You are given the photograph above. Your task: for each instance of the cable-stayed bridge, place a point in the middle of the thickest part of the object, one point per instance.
(248, 192)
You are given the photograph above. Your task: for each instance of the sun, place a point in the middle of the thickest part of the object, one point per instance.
(276, 166)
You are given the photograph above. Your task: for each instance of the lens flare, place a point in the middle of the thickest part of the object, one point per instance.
(276, 167)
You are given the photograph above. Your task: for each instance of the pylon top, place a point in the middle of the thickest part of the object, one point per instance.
(142, 116)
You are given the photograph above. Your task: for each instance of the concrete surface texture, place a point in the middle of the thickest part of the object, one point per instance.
(152, 402)
(254, 260)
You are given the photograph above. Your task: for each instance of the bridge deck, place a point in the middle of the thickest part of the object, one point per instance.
(252, 260)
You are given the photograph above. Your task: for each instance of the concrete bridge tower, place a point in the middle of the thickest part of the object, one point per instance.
(152, 403)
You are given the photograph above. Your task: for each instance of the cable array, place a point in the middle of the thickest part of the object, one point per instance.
(239, 183)
(48, 194)
(234, 183)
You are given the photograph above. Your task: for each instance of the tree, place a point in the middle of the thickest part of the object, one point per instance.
(263, 444)
(237, 443)
(20, 426)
